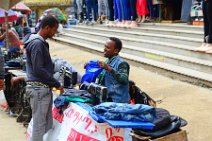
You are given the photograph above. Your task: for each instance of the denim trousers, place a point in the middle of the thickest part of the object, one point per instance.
(118, 10)
(111, 10)
(150, 7)
(41, 99)
(79, 6)
(91, 4)
(103, 7)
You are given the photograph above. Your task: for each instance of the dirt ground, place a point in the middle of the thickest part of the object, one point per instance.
(188, 101)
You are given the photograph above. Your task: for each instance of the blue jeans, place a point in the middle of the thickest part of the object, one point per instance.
(111, 10)
(41, 99)
(118, 10)
(133, 11)
(91, 4)
(149, 4)
(127, 112)
(75, 10)
(126, 7)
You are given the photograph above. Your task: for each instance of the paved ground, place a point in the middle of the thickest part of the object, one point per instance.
(188, 101)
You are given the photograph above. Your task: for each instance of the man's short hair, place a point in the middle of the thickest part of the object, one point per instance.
(49, 21)
(118, 43)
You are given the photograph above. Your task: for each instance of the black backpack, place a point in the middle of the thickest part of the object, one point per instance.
(137, 96)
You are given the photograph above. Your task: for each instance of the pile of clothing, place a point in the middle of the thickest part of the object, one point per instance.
(165, 124)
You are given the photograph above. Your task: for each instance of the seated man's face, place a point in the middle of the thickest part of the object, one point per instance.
(110, 49)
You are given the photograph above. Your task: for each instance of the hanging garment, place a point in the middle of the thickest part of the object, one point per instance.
(142, 9)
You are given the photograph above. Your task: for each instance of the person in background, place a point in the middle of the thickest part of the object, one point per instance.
(207, 14)
(37, 26)
(40, 80)
(19, 27)
(115, 74)
(13, 40)
(102, 10)
(91, 5)
(111, 12)
(26, 29)
(142, 10)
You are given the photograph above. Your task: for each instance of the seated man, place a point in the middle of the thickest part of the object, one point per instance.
(13, 41)
(116, 72)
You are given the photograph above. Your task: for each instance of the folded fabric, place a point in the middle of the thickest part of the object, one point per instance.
(127, 112)
(60, 102)
(74, 92)
(176, 123)
(78, 99)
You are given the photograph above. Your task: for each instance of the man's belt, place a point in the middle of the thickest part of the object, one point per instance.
(37, 84)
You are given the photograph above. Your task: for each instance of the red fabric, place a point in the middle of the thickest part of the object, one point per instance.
(21, 7)
(13, 40)
(10, 19)
(142, 9)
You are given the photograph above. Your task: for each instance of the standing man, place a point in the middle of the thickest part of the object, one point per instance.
(40, 80)
(115, 75)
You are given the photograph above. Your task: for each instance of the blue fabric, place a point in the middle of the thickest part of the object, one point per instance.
(117, 10)
(91, 72)
(59, 102)
(75, 10)
(133, 10)
(2, 44)
(118, 92)
(116, 123)
(122, 9)
(13, 49)
(91, 4)
(126, 5)
(126, 112)
(150, 7)
(186, 10)
(156, 10)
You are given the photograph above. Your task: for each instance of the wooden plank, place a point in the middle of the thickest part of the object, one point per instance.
(177, 136)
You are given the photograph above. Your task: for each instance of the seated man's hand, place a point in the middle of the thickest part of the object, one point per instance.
(103, 65)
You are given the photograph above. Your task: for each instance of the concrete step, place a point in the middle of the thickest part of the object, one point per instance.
(146, 44)
(160, 56)
(139, 35)
(179, 26)
(177, 69)
(159, 30)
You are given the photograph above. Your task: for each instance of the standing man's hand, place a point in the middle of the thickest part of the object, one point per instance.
(2, 84)
(61, 89)
(103, 65)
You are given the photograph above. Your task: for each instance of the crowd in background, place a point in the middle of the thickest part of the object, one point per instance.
(132, 12)
(123, 12)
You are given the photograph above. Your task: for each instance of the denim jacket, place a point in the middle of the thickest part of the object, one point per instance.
(117, 80)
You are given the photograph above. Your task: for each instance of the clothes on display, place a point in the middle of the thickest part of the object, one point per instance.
(126, 112)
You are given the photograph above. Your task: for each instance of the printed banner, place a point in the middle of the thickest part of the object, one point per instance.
(77, 125)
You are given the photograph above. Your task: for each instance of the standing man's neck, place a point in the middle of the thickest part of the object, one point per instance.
(42, 34)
